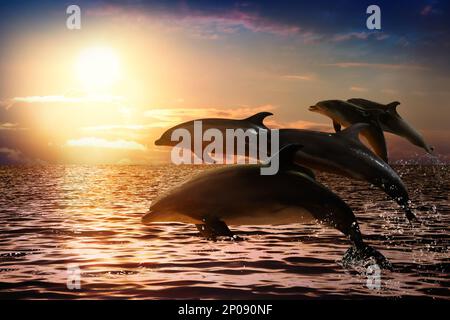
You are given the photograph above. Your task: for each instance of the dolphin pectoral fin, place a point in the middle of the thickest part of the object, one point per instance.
(376, 139)
(354, 130)
(258, 118)
(336, 126)
(372, 132)
(213, 228)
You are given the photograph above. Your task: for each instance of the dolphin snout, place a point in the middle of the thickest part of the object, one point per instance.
(159, 142)
(313, 108)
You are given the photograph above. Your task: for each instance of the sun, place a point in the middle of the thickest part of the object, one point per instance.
(98, 68)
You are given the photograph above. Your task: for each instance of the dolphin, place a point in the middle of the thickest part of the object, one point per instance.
(345, 114)
(344, 154)
(240, 195)
(340, 153)
(254, 122)
(391, 121)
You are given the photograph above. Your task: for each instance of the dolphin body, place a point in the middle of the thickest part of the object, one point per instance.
(391, 121)
(339, 153)
(253, 123)
(345, 114)
(240, 195)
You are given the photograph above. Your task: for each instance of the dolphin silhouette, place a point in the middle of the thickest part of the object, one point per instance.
(391, 121)
(240, 195)
(340, 153)
(253, 122)
(345, 114)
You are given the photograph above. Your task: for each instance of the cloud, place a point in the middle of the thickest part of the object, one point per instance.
(5, 104)
(350, 36)
(11, 156)
(301, 77)
(93, 142)
(68, 99)
(132, 127)
(358, 89)
(428, 10)
(90, 98)
(376, 66)
(10, 126)
(363, 35)
(201, 24)
(231, 21)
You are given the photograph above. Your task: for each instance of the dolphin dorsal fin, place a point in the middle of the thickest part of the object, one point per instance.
(392, 106)
(258, 118)
(354, 130)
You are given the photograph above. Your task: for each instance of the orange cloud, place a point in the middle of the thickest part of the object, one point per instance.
(107, 144)
(376, 65)
(302, 77)
(358, 89)
(69, 99)
(10, 126)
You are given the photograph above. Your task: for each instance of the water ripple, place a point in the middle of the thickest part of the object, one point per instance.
(55, 217)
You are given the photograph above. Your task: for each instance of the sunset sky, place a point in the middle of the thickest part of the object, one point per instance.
(104, 93)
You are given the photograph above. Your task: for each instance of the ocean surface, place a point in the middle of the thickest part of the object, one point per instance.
(74, 232)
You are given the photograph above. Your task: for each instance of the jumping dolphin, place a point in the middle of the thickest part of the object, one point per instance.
(345, 114)
(240, 195)
(344, 154)
(391, 121)
(340, 153)
(253, 122)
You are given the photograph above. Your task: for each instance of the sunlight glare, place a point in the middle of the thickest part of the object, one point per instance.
(98, 68)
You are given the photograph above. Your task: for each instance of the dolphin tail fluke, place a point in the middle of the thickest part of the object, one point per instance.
(405, 204)
(364, 256)
(412, 219)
